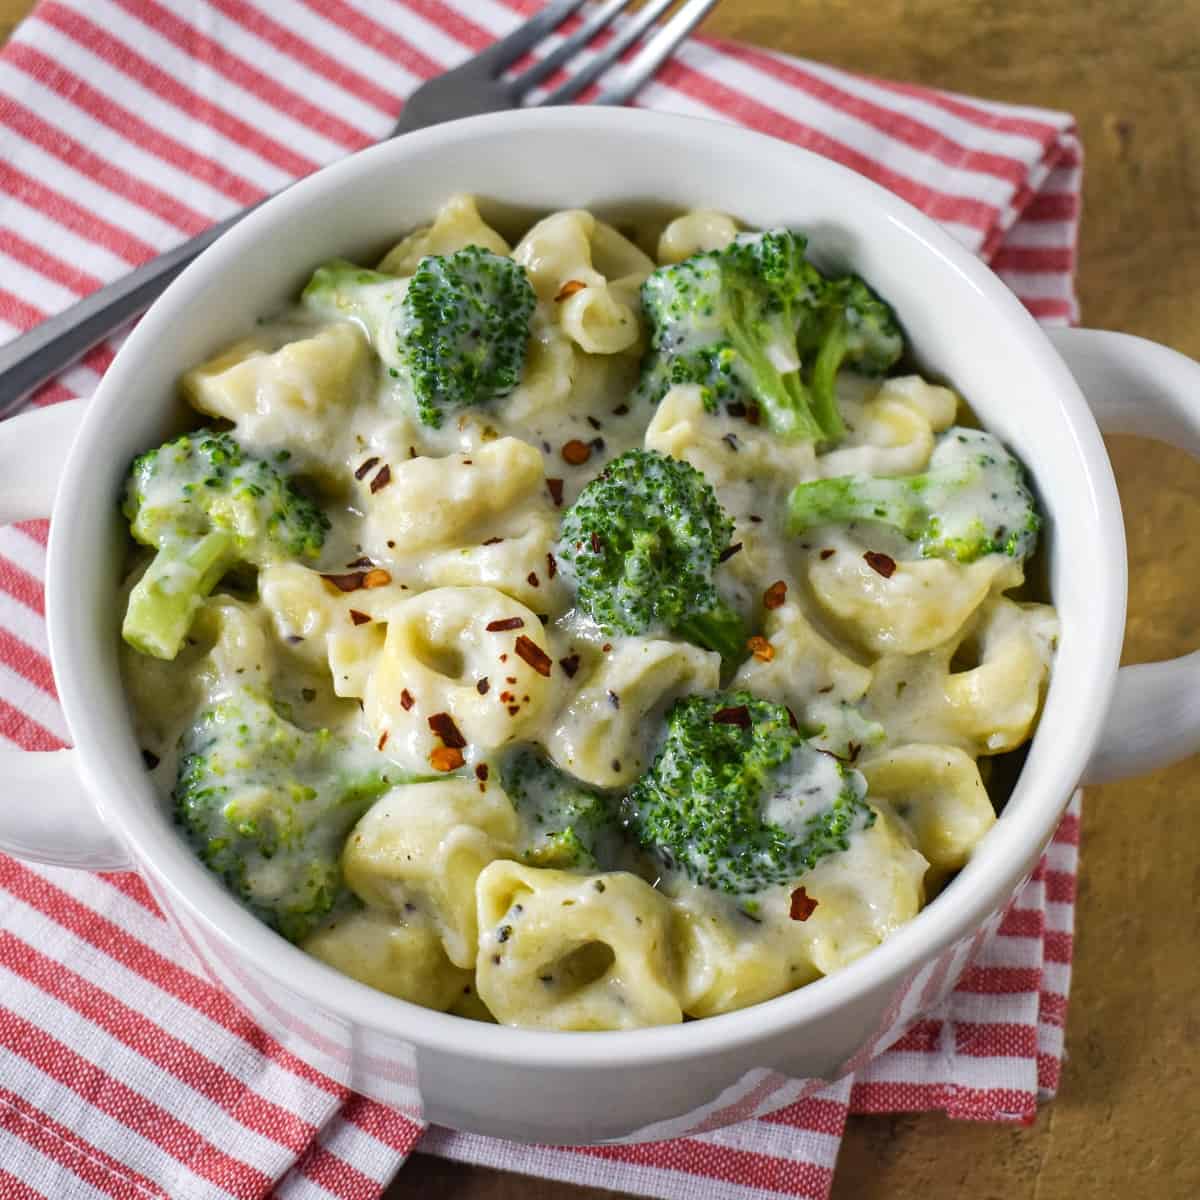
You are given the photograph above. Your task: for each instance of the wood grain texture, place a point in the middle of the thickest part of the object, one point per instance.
(1126, 1120)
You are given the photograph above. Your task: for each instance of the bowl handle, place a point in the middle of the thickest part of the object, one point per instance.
(1136, 386)
(45, 812)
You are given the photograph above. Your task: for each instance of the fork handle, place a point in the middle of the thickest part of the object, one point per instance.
(29, 360)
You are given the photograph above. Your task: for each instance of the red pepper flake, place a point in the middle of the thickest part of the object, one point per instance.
(569, 289)
(493, 541)
(884, 564)
(513, 709)
(504, 658)
(466, 462)
(350, 582)
(361, 473)
(761, 648)
(576, 452)
(505, 624)
(551, 565)
(360, 562)
(570, 665)
(481, 772)
(775, 596)
(597, 544)
(359, 618)
(737, 714)
(446, 758)
(443, 725)
(729, 552)
(534, 655)
(510, 679)
(482, 685)
(382, 478)
(406, 700)
(383, 737)
(377, 577)
(532, 579)
(506, 697)
(606, 647)
(803, 905)
(555, 488)
(827, 553)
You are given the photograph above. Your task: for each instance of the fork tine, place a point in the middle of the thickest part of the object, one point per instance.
(645, 17)
(655, 52)
(508, 49)
(568, 48)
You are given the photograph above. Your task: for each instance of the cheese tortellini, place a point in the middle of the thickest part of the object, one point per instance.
(440, 633)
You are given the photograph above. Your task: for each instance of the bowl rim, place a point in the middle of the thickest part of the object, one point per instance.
(1012, 847)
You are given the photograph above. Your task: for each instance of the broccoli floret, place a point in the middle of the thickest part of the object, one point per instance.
(456, 333)
(972, 501)
(565, 823)
(737, 798)
(206, 505)
(643, 541)
(757, 324)
(267, 805)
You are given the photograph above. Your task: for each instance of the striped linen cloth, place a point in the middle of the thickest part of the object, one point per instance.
(126, 125)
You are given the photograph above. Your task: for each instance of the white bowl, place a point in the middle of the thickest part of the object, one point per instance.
(93, 806)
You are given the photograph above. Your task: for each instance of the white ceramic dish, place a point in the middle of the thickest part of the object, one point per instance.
(93, 806)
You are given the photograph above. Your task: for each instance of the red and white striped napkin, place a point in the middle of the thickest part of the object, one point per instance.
(126, 125)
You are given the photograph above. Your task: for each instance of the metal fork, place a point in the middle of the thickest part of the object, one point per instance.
(478, 86)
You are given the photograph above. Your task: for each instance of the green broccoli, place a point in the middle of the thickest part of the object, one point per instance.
(972, 501)
(757, 325)
(456, 333)
(267, 805)
(643, 541)
(206, 505)
(738, 800)
(565, 823)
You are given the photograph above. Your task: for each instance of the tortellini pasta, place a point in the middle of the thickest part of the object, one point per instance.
(596, 314)
(420, 849)
(601, 734)
(862, 894)
(938, 794)
(456, 226)
(291, 399)
(921, 604)
(725, 962)
(472, 655)
(428, 503)
(561, 951)
(400, 954)
(986, 708)
(439, 633)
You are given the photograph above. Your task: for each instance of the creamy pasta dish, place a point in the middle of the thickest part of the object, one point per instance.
(588, 632)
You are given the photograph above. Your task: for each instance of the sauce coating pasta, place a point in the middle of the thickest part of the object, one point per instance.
(487, 858)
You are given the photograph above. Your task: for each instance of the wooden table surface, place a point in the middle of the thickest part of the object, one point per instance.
(1127, 1118)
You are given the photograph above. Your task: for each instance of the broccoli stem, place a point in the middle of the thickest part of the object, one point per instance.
(783, 397)
(824, 379)
(167, 597)
(719, 629)
(893, 502)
